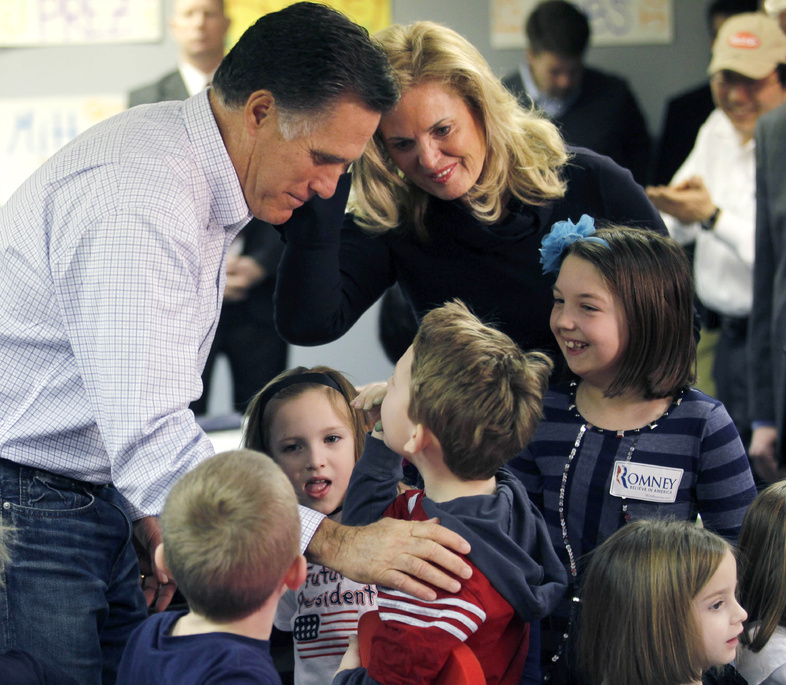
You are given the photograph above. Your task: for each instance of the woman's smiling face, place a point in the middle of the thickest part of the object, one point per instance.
(436, 140)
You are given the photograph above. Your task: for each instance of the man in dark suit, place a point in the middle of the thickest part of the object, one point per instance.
(246, 333)
(593, 109)
(767, 331)
(199, 27)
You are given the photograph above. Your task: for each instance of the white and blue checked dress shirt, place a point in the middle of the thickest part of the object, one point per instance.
(111, 269)
(112, 273)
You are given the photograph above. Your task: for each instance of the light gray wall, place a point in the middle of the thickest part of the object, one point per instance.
(654, 72)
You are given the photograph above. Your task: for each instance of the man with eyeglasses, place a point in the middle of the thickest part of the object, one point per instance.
(711, 200)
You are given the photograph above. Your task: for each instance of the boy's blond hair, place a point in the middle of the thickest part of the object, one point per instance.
(231, 531)
(475, 389)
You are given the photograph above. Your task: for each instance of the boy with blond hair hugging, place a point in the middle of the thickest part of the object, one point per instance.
(463, 401)
(231, 532)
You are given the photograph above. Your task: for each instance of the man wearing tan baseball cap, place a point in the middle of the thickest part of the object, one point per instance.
(744, 69)
(711, 199)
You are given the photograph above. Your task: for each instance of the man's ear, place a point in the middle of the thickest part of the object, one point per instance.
(296, 574)
(259, 108)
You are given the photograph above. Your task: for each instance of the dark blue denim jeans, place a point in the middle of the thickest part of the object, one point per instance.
(71, 595)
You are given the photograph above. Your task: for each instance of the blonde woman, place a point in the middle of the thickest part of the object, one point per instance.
(451, 200)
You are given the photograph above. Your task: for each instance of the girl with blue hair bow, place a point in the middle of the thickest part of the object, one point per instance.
(626, 437)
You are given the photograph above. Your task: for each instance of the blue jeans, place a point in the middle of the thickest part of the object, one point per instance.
(71, 596)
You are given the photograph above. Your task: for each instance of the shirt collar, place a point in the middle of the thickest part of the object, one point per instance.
(228, 204)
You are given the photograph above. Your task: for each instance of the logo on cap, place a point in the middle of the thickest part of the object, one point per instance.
(745, 40)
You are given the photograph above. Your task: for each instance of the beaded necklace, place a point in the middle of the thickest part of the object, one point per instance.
(576, 600)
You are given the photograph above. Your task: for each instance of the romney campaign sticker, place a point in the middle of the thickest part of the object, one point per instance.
(645, 482)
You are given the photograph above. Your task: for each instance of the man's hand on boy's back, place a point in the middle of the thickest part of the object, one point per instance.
(396, 554)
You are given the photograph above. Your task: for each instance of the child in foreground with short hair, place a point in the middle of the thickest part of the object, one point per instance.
(658, 607)
(303, 419)
(463, 400)
(230, 540)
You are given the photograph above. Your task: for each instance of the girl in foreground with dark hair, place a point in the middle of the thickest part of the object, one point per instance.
(626, 437)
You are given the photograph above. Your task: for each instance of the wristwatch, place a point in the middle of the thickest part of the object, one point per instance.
(709, 224)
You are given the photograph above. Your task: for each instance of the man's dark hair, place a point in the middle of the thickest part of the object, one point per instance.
(558, 26)
(728, 8)
(308, 56)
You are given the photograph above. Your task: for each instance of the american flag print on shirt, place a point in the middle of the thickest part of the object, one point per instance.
(322, 614)
(320, 635)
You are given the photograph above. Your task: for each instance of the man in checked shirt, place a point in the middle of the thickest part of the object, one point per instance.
(112, 261)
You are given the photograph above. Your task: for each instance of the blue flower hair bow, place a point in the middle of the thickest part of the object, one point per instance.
(563, 234)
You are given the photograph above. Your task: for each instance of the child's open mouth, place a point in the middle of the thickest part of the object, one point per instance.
(317, 487)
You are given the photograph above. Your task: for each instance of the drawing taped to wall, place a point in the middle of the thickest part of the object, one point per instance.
(374, 15)
(79, 22)
(33, 129)
(614, 22)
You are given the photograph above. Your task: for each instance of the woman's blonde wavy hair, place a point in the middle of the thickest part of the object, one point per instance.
(524, 151)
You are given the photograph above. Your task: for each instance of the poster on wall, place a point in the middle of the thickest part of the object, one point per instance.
(33, 129)
(371, 14)
(614, 22)
(79, 22)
